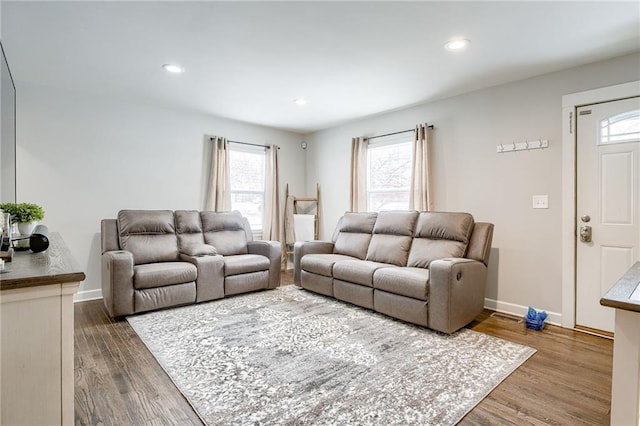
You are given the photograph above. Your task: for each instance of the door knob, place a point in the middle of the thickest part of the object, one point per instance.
(585, 234)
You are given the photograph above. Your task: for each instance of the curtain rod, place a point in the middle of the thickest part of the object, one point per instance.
(430, 126)
(247, 143)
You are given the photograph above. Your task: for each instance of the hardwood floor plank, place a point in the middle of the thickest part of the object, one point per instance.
(125, 385)
(567, 382)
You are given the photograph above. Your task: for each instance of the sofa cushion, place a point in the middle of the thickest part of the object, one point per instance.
(401, 222)
(244, 264)
(198, 249)
(440, 235)
(362, 223)
(353, 234)
(221, 221)
(225, 231)
(410, 282)
(188, 228)
(352, 244)
(321, 264)
(391, 249)
(161, 274)
(188, 221)
(445, 226)
(357, 271)
(424, 251)
(148, 234)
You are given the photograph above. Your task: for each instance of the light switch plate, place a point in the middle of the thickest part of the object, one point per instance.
(540, 201)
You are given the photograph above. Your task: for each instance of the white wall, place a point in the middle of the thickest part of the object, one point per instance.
(84, 158)
(470, 176)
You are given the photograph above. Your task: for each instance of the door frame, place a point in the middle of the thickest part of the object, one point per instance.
(569, 181)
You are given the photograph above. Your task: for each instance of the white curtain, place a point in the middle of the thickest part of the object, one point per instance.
(218, 196)
(358, 175)
(272, 219)
(420, 194)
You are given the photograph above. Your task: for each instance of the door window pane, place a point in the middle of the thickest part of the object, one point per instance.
(620, 128)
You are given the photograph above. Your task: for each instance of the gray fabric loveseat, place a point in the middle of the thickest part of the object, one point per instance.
(153, 259)
(427, 268)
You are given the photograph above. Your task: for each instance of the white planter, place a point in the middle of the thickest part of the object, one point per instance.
(26, 228)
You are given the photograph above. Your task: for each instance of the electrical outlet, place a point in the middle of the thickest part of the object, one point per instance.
(540, 201)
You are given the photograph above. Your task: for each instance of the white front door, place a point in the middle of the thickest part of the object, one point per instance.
(608, 204)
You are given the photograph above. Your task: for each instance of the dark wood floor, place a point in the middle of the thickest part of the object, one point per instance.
(567, 382)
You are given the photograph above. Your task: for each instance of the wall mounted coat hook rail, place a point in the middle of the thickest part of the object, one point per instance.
(522, 146)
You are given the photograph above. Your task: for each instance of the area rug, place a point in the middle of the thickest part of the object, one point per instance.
(288, 356)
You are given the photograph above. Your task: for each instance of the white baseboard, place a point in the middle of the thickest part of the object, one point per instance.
(84, 296)
(495, 305)
(519, 310)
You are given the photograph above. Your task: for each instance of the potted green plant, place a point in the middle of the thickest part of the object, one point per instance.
(26, 215)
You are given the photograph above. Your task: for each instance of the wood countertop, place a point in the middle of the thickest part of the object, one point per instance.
(53, 266)
(625, 294)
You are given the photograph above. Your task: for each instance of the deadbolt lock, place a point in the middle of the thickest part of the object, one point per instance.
(585, 234)
(585, 218)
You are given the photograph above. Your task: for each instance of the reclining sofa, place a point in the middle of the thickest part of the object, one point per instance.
(153, 259)
(427, 268)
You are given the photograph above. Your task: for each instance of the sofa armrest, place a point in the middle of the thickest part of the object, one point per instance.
(210, 279)
(117, 282)
(273, 251)
(308, 247)
(456, 293)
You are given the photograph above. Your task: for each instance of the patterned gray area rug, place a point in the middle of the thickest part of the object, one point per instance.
(288, 356)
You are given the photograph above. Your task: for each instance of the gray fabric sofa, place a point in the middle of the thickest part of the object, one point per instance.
(153, 259)
(427, 268)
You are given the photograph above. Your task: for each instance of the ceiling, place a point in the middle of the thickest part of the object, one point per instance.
(249, 60)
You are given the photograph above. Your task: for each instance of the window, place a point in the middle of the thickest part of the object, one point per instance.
(247, 174)
(389, 174)
(620, 128)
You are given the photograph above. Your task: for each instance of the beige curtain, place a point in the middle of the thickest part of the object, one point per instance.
(358, 175)
(420, 194)
(272, 220)
(218, 196)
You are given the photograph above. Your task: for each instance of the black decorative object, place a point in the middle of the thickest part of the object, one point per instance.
(39, 239)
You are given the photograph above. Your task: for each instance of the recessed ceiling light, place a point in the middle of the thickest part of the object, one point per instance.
(172, 68)
(300, 101)
(456, 45)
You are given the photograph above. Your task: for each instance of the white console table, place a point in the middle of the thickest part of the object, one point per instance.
(624, 296)
(36, 322)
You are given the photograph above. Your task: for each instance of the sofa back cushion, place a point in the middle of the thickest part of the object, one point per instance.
(225, 231)
(354, 233)
(439, 235)
(188, 228)
(480, 243)
(392, 235)
(148, 234)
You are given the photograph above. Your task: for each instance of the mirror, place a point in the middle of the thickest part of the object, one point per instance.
(7, 134)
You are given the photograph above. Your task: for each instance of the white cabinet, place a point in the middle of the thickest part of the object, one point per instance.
(36, 323)
(625, 385)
